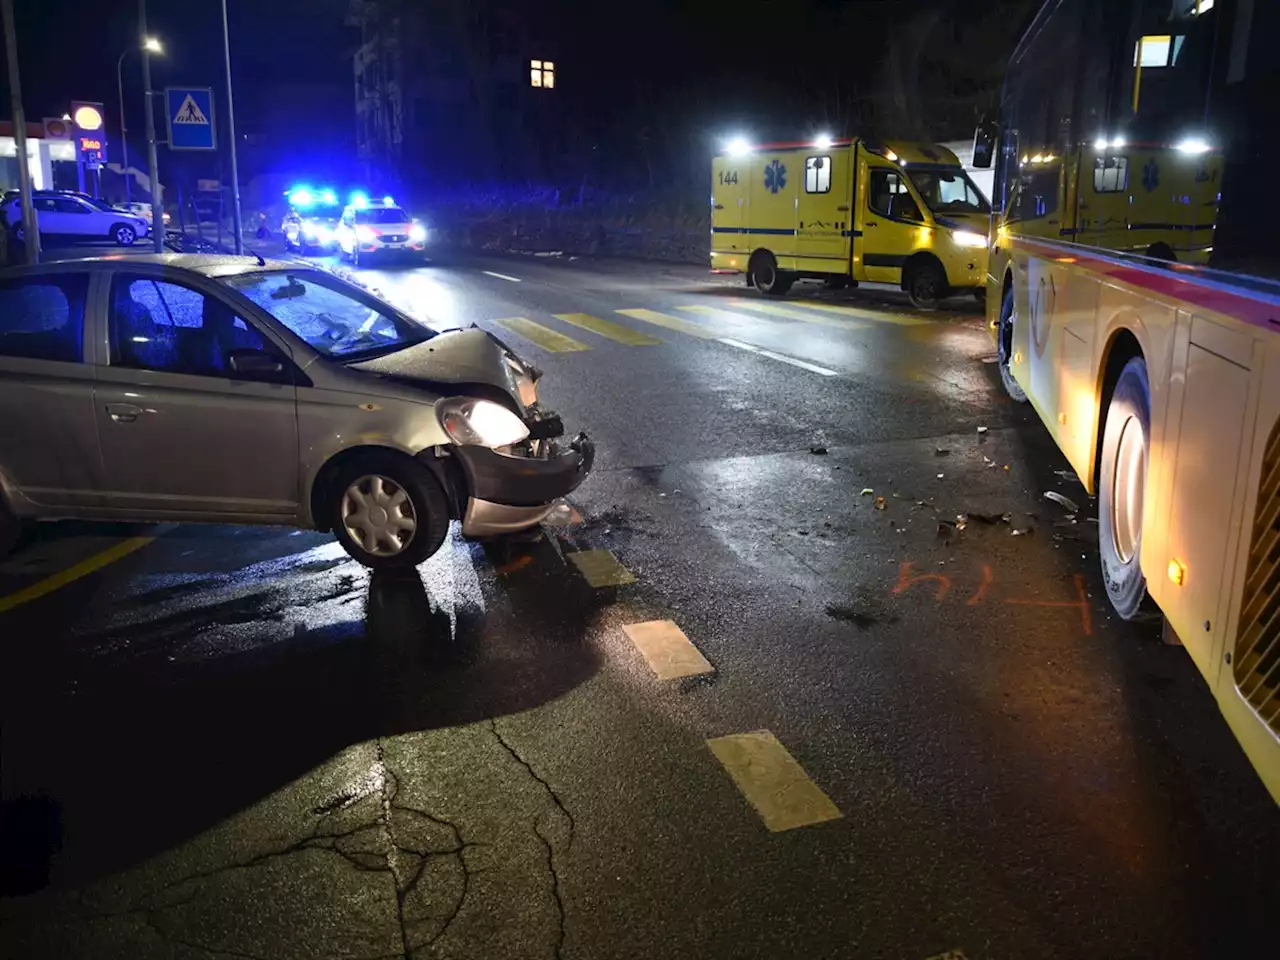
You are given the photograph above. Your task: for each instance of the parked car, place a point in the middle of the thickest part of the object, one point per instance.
(188, 387)
(379, 230)
(140, 209)
(69, 217)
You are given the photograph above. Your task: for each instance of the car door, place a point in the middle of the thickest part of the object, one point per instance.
(48, 432)
(892, 222)
(78, 219)
(49, 219)
(184, 434)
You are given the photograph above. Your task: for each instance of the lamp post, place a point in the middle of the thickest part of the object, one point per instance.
(157, 198)
(151, 45)
(231, 135)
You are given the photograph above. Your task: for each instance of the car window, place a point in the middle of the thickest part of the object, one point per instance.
(888, 196)
(328, 315)
(157, 325)
(382, 215)
(45, 204)
(67, 205)
(42, 318)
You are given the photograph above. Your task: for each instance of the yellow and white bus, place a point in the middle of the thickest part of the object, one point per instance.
(1131, 297)
(848, 211)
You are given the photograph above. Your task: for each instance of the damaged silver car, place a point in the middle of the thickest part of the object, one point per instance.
(240, 390)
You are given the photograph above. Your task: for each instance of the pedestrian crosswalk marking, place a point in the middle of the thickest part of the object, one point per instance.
(670, 322)
(609, 329)
(791, 313)
(772, 781)
(544, 337)
(720, 312)
(600, 568)
(880, 315)
(669, 653)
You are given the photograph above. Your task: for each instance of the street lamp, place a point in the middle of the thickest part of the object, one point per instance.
(150, 45)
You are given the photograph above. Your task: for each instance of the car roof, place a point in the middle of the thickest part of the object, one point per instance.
(214, 265)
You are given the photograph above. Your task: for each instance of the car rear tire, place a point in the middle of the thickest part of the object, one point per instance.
(1004, 348)
(926, 284)
(1122, 480)
(388, 512)
(123, 234)
(767, 278)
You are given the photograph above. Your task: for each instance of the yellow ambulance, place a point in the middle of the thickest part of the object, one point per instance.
(849, 211)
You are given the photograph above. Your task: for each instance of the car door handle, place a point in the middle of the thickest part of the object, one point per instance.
(871, 223)
(123, 412)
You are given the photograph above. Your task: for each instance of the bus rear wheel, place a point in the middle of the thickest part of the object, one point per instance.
(1122, 483)
(767, 278)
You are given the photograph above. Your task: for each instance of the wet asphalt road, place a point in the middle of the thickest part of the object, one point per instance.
(234, 742)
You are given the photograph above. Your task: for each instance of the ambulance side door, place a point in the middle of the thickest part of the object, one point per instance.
(824, 208)
(729, 204)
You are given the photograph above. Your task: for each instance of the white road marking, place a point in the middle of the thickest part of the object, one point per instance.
(500, 276)
(802, 364)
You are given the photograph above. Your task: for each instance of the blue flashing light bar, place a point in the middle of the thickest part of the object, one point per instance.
(358, 199)
(388, 201)
(328, 196)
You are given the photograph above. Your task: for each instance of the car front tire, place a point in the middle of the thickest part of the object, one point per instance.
(1122, 478)
(388, 512)
(123, 234)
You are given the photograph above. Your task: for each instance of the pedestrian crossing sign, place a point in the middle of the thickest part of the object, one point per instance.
(190, 118)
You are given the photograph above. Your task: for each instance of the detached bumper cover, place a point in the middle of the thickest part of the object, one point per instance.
(497, 478)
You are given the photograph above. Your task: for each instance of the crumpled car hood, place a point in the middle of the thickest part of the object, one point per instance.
(456, 358)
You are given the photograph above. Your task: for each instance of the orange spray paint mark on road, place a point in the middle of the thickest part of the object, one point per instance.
(906, 580)
(519, 563)
(1086, 615)
(981, 593)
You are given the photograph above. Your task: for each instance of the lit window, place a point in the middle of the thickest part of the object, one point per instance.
(1110, 174)
(1203, 6)
(817, 174)
(542, 73)
(1152, 51)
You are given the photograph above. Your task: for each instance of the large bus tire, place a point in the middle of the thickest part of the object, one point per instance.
(1122, 480)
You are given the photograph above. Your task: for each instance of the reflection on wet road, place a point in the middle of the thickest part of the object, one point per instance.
(810, 668)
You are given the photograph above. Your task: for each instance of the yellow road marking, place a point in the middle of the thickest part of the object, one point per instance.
(607, 328)
(772, 781)
(878, 315)
(792, 313)
(670, 322)
(544, 337)
(81, 569)
(600, 568)
(668, 651)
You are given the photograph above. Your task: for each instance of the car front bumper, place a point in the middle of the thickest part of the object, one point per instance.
(510, 493)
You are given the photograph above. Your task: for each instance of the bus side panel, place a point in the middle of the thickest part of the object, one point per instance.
(730, 215)
(1240, 695)
(775, 177)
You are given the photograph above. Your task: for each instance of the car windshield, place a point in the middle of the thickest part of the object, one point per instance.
(382, 215)
(948, 190)
(328, 314)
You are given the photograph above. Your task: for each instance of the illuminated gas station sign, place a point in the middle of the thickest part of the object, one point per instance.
(90, 134)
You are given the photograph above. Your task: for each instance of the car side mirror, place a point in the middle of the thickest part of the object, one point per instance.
(984, 144)
(255, 363)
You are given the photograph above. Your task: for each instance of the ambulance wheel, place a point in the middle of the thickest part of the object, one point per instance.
(926, 283)
(767, 278)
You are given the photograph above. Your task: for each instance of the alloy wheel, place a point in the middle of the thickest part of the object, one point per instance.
(378, 515)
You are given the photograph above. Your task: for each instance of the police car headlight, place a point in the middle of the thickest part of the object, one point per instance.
(966, 238)
(417, 233)
(480, 423)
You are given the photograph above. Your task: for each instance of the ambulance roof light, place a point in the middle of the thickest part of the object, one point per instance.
(823, 141)
(738, 147)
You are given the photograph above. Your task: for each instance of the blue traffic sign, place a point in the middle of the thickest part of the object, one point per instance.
(189, 111)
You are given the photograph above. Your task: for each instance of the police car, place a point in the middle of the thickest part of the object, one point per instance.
(313, 216)
(376, 229)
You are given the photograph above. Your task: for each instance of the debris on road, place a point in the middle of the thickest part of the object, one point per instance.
(818, 451)
(867, 491)
(1062, 501)
(962, 521)
(941, 452)
(1024, 532)
(982, 430)
(988, 461)
(880, 503)
(992, 519)
(941, 475)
